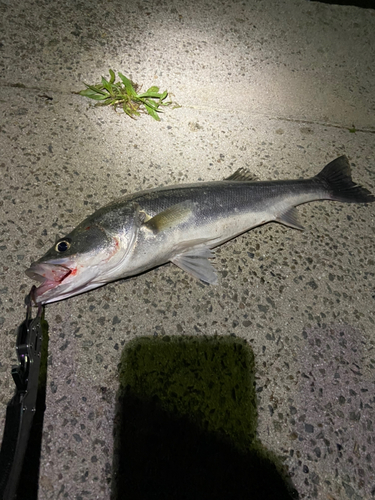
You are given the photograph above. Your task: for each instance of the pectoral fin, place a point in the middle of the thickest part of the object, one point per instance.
(195, 262)
(170, 217)
(290, 218)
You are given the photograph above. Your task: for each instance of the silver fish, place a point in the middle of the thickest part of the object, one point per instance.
(181, 224)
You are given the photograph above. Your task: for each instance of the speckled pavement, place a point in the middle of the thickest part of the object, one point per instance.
(273, 86)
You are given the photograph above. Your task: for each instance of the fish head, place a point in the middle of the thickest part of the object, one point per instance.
(90, 256)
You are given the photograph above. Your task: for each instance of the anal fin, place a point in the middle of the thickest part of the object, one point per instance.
(290, 218)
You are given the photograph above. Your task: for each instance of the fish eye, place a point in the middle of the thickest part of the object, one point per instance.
(62, 246)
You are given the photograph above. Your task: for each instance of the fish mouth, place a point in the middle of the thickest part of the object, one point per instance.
(50, 275)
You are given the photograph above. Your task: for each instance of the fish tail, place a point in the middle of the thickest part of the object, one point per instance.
(337, 180)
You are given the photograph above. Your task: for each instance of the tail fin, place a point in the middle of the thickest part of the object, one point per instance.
(337, 179)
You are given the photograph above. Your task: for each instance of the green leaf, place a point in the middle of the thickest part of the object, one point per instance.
(153, 95)
(110, 101)
(164, 95)
(99, 97)
(112, 76)
(152, 113)
(169, 103)
(153, 89)
(96, 88)
(106, 85)
(152, 104)
(117, 87)
(87, 93)
(128, 85)
(93, 95)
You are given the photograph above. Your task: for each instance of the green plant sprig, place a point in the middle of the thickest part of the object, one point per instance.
(124, 94)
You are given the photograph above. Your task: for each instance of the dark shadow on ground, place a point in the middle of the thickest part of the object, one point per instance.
(365, 4)
(185, 424)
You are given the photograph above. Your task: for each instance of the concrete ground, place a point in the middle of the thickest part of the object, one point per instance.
(273, 86)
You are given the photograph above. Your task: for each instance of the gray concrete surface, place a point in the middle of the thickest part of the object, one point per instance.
(273, 86)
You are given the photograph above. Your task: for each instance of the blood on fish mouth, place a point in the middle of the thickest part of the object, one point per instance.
(49, 275)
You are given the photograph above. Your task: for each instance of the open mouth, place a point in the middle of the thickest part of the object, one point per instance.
(49, 275)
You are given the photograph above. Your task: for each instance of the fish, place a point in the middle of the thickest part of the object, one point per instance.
(181, 224)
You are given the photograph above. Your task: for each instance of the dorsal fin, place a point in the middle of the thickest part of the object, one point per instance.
(241, 175)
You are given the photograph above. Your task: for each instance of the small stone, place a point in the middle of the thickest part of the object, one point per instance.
(309, 428)
(116, 320)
